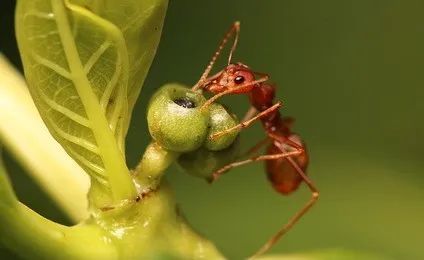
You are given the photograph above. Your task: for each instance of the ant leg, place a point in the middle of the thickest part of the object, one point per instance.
(228, 167)
(298, 215)
(235, 28)
(247, 123)
(231, 90)
(256, 148)
(250, 113)
(285, 140)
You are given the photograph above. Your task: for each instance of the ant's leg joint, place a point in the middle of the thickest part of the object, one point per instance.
(255, 158)
(217, 174)
(315, 195)
(210, 179)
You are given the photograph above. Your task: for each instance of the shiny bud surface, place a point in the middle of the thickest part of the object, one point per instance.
(175, 119)
(220, 119)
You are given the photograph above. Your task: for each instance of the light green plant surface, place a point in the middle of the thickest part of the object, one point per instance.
(42, 157)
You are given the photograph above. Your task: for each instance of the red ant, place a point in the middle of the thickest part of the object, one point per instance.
(286, 158)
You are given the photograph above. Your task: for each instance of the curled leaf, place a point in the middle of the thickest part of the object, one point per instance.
(84, 72)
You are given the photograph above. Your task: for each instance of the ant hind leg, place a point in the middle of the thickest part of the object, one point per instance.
(256, 147)
(299, 214)
(248, 122)
(229, 166)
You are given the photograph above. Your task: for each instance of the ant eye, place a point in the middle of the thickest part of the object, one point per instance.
(239, 79)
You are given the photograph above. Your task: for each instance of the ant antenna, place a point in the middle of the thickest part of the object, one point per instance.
(236, 25)
(234, 28)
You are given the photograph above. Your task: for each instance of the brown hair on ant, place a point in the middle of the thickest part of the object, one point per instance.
(286, 157)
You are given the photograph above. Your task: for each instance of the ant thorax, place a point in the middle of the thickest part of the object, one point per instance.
(262, 96)
(272, 123)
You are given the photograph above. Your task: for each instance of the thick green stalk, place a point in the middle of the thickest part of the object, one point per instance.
(152, 165)
(34, 237)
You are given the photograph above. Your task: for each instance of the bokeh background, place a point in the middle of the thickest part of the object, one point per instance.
(351, 72)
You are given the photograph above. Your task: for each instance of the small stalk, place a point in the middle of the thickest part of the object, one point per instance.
(152, 165)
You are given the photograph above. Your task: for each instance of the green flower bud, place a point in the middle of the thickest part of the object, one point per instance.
(202, 162)
(220, 119)
(175, 119)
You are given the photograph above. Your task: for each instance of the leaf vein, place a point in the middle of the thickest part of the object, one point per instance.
(96, 55)
(38, 14)
(65, 111)
(104, 101)
(53, 66)
(43, 36)
(74, 139)
(97, 169)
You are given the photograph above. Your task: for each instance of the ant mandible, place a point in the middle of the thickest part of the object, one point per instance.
(286, 157)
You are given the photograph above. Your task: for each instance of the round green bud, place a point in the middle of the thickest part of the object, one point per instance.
(175, 119)
(202, 162)
(220, 120)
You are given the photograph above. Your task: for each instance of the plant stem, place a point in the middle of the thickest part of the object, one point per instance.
(22, 228)
(151, 167)
(27, 233)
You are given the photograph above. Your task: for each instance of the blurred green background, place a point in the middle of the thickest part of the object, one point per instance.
(351, 72)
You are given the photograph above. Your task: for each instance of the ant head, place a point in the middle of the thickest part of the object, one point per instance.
(234, 76)
(262, 97)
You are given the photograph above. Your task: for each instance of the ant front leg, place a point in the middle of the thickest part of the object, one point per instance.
(296, 217)
(232, 90)
(248, 122)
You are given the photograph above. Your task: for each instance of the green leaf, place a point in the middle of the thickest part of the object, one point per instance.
(77, 70)
(140, 22)
(84, 62)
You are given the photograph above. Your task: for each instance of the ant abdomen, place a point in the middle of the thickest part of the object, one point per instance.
(280, 172)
